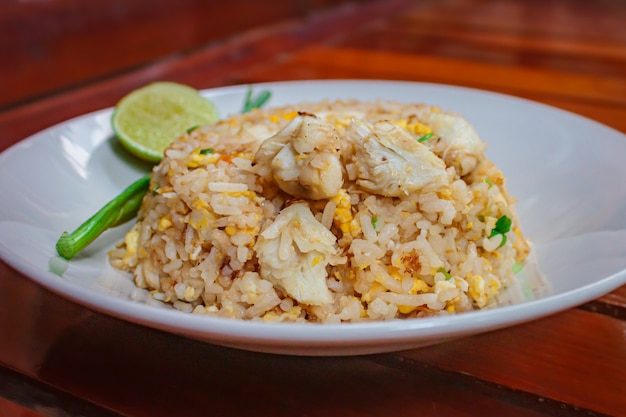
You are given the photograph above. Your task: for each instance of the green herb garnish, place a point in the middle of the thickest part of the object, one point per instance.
(192, 128)
(503, 226)
(206, 151)
(114, 213)
(374, 221)
(517, 267)
(445, 273)
(488, 181)
(255, 102)
(425, 137)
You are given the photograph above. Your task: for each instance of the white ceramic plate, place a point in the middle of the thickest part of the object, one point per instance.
(566, 171)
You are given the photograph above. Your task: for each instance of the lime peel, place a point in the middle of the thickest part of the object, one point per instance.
(148, 119)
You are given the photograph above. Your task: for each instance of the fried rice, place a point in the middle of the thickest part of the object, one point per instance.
(333, 211)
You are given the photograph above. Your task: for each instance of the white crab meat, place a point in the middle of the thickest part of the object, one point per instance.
(303, 158)
(390, 162)
(460, 145)
(293, 252)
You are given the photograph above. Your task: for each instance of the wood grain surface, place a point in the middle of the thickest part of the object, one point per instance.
(62, 59)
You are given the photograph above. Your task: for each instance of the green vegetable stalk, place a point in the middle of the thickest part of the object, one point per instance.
(116, 212)
(124, 207)
(445, 273)
(425, 137)
(255, 102)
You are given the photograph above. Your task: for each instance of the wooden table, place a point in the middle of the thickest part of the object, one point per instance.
(64, 58)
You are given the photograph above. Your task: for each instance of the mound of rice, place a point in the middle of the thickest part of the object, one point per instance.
(327, 212)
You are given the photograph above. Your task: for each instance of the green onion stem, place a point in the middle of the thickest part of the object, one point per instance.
(124, 207)
(116, 212)
(425, 137)
(255, 102)
(502, 227)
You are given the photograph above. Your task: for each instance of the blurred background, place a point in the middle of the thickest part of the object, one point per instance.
(544, 50)
(63, 58)
(48, 45)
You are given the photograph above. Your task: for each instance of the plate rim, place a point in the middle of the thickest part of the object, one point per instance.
(323, 336)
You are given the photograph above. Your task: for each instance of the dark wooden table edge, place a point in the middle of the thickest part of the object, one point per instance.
(35, 393)
(45, 399)
(472, 383)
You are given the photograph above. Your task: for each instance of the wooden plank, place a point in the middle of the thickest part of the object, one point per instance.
(576, 87)
(214, 374)
(607, 114)
(142, 372)
(25, 397)
(56, 44)
(600, 21)
(11, 409)
(612, 304)
(617, 297)
(212, 66)
(509, 33)
(106, 361)
(575, 45)
(197, 70)
(555, 358)
(319, 64)
(523, 371)
(436, 38)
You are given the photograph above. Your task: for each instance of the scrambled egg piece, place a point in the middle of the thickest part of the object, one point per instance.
(478, 290)
(304, 158)
(343, 214)
(275, 118)
(291, 314)
(202, 157)
(415, 127)
(294, 251)
(131, 240)
(460, 145)
(164, 223)
(390, 162)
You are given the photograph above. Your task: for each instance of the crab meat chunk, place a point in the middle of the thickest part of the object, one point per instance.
(460, 145)
(293, 252)
(303, 158)
(390, 162)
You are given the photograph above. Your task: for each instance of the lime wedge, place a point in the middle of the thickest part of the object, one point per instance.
(148, 119)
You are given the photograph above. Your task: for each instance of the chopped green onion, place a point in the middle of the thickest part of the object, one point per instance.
(206, 151)
(517, 267)
(192, 128)
(374, 221)
(116, 212)
(445, 273)
(503, 226)
(488, 181)
(425, 137)
(255, 102)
